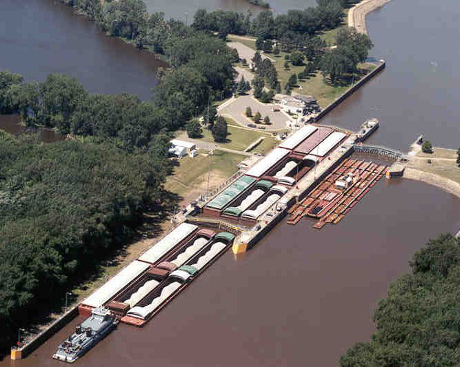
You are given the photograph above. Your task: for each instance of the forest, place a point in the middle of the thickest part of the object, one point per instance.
(64, 207)
(418, 323)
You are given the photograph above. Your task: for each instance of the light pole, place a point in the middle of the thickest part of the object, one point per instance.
(19, 337)
(66, 299)
(186, 18)
(211, 152)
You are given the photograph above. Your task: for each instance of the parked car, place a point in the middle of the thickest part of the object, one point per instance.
(252, 125)
(262, 127)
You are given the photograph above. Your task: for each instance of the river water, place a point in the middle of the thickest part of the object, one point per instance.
(302, 297)
(417, 93)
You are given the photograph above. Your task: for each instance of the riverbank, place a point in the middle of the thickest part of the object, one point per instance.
(357, 14)
(439, 169)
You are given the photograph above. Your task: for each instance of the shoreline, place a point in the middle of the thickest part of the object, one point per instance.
(432, 179)
(357, 14)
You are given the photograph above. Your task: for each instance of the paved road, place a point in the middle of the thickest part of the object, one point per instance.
(245, 52)
(243, 72)
(237, 107)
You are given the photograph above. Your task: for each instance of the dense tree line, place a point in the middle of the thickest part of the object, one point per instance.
(418, 324)
(294, 27)
(352, 49)
(64, 206)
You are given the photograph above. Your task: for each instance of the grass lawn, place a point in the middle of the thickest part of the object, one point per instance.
(240, 138)
(329, 36)
(443, 163)
(316, 85)
(191, 173)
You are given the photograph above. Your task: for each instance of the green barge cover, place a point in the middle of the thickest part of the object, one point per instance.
(189, 269)
(221, 200)
(235, 212)
(227, 236)
(265, 184)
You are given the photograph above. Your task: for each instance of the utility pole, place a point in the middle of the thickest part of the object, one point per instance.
(66, 300)
(209, 172)
(186, 18)
(19, 337)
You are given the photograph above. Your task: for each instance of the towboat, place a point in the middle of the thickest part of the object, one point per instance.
(87, 335)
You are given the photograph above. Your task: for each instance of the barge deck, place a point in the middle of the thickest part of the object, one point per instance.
(338, 193)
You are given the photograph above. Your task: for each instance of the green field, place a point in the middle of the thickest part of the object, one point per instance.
(190, 174)
(240, 138)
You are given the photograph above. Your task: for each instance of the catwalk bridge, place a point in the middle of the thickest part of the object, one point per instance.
(379, 150)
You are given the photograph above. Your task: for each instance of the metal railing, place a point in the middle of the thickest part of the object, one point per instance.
(377, 150)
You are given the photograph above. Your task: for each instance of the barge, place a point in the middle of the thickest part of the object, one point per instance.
(334, 197)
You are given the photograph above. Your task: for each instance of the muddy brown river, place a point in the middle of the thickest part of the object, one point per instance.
(301, 297)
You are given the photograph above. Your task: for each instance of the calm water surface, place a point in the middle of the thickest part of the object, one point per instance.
(39, 37)
(418, 91)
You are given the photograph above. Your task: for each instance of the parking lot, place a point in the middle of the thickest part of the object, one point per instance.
(236, 111)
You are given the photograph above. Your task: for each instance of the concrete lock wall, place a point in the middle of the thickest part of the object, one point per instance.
(25, 350)
(350, 91)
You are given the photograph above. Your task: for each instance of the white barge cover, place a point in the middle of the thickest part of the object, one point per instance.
(209, 255)
(116, 284)
(168, 242)
(268, 162)
(298, 137)
(144, 312)
(327, 144)
(256, 213)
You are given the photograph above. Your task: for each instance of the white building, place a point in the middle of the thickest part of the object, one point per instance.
(181, 148)
(297, 104)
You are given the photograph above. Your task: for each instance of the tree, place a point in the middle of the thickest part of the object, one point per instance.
(267, 120)
(259, 43)
(417, 323)
(209, 115)
(257, 117)
(220, 130)
(235, 55)
(297, 58)
(286, 65)
(248, 112)
(286, 57)
(288, 88)
(276, 50)
(427, 147)
(267, 97)
(257, 59)
(193, 128)
(278, 88)
(293, 80)
(243, 86)
(458, 157)
(244, 62)
(268, 46)
(335, 65)
(258, 83)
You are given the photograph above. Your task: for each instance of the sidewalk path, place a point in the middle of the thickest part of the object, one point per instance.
(357, 14)
(246, 52)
